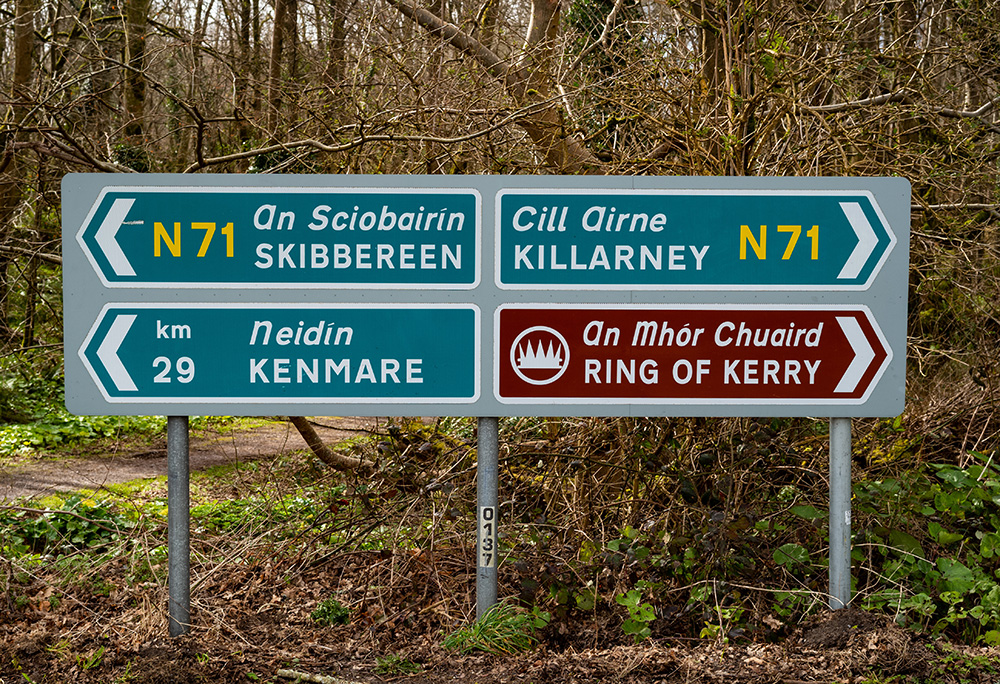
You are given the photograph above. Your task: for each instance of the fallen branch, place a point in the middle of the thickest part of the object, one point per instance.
(322, 451)
(317, 678)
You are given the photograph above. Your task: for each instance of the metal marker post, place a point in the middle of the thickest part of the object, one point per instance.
(488, 457)
(840, 512)
(178, 525)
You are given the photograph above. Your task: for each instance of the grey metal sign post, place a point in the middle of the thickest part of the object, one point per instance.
(562, 296)
(178, 525)
(840, 512)
(488, 517)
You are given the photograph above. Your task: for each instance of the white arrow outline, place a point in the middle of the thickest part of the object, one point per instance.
(864, 353)
(106, 236)
(867, 240)
(108, 352)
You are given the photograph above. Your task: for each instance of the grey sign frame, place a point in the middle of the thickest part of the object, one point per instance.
(885, 296)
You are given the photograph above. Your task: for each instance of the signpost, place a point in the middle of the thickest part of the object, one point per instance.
(486, 296)
(197, 255)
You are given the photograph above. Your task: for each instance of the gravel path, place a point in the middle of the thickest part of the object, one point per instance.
(46, 475)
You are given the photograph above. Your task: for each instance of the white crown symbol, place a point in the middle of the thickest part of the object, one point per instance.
(550, 359)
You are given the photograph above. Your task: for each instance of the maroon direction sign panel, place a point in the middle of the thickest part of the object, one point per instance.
(713, 354)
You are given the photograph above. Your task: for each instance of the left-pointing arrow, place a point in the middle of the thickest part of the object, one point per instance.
(108, 352)
(107, 237)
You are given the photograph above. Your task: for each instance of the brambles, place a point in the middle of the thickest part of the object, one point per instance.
(331, 612)
(640, 615)
(81, 523)
(394, 664)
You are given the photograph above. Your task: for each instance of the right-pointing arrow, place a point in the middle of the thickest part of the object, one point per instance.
(863, 354)
(107, 239)
(108, 352)
(867, 240)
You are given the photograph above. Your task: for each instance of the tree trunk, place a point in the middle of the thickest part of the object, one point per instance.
(866, 28)
(136, 19)
(336, 64)
(906, 69)
(31, 290)
(713, 74)
(10, 166)
(242, 97)
(274, 66)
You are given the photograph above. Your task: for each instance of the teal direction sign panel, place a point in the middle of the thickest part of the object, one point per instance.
(253, 237)
(660, 239)
(255, 354)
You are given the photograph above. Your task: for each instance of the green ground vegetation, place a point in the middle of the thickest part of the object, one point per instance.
(713, 529)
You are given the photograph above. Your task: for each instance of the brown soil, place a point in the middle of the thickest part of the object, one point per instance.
(258, 631)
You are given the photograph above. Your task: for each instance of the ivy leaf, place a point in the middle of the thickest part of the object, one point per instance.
(791, 553)
(808, 512)
(955, 576)
(906, 543)
(943, 536)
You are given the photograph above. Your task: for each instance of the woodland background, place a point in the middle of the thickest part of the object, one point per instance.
(691, 528)
(823, 88)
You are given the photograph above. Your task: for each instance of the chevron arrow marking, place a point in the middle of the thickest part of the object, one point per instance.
(863, 354)
(108, 352)
(107, 239)
(867, 240)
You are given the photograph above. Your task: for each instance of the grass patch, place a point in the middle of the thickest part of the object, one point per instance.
(504, 630)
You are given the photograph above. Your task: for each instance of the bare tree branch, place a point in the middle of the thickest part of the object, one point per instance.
(496, 66)
(975, 114)
(525, 82)
(366, 138)
(855, 104)
(906, 98)
(53, 259)
(992, 209)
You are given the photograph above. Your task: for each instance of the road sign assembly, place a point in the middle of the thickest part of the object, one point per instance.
(485, 296)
